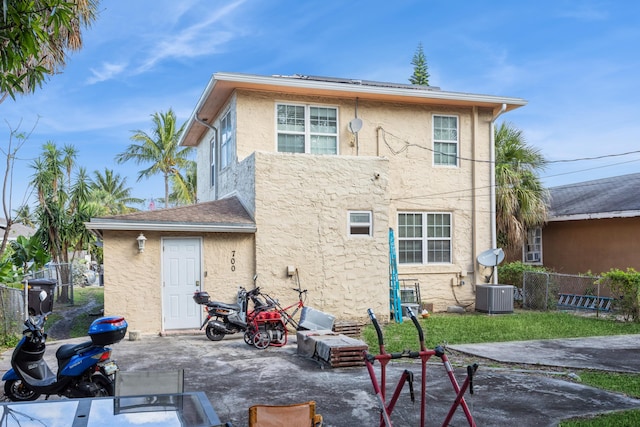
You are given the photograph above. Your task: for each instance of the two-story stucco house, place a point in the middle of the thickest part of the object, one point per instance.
(300, 180)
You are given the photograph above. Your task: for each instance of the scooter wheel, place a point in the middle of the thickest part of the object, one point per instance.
(105, 386)
(18, 391)
(261, 340)
(213, 334)
(248, 338)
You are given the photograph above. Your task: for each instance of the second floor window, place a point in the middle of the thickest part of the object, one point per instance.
(307, 129)
(424, 238)
(227, 133)
(445, 140)
(212, 159)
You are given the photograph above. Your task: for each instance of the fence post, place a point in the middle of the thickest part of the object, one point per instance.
(546, 293)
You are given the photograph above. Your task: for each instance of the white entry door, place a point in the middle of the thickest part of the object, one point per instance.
(181, 263)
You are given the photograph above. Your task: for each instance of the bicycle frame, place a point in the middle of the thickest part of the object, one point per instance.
(287, 317)
(424, 355)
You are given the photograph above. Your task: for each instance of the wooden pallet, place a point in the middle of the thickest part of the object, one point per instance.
(334, 349)
(350, 329)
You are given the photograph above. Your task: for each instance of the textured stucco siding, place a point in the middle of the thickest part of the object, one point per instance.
(402, 134)
(302, 210)
(133, 281)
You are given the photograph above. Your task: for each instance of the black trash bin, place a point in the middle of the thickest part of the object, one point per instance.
(35, 287)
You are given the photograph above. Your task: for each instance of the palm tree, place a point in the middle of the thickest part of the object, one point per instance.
(520, 196)
(185, 188)
(110, 194)
(36, 38)
(160, 149)
(62, 207)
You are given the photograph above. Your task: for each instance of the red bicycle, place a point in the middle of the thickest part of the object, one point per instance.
(289, 318)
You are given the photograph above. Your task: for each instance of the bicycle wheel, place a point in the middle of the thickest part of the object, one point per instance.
(261, 340)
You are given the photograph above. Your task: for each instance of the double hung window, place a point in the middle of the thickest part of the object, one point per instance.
(227, 136)
(424, 238)
(212, 159)
(445, 140)
(533, 247)
(307, 129)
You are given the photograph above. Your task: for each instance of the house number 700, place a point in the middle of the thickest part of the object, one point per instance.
(233, 260)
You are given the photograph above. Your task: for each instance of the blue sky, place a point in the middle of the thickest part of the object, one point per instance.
(575, 62)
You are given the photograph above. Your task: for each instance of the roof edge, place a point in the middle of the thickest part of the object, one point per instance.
(168, 226)
(595, 215)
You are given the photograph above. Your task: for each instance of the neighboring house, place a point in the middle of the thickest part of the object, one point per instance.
(16, 230)
(593, 226)
(318, 170)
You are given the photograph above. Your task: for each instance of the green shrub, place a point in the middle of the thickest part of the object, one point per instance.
(625, 287)
(513, 272)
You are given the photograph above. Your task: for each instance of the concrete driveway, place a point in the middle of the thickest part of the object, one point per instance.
(235, 376)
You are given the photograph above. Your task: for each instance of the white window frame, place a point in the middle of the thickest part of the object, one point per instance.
(424, 239)
(307, 133)
(532, 248)
(227, 140)
(454, 142)
(354, 225)
(212, 159)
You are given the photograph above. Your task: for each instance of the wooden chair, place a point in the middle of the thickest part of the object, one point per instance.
(296, 415)
(135, 383)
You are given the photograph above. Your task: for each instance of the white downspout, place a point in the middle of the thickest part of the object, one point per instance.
(494, 239)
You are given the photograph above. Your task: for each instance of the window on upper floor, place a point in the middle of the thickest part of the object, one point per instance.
(445, 140)
(360, 223)
(227, 137)
(212, 159)
(307, 129)
(424, 238)
(532, 250)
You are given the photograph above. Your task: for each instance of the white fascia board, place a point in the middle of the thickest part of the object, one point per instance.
(325, 85)
(192, 117)
(169, 226)
(599, 215)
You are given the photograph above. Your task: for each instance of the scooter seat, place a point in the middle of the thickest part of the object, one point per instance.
(235, 307)
(66, 351)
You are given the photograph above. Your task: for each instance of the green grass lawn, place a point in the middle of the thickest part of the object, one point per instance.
(521, 326)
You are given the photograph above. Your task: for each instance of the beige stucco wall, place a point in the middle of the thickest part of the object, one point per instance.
(302, 207)
(402, 134)
(399, 133)
(133, 281)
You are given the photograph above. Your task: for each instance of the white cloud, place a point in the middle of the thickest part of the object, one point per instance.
(107, 72)
(200, 39)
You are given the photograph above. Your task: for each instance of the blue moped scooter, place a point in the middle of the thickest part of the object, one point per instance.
(84, 370)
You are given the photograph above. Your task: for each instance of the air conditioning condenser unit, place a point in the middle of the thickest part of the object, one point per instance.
(494, 299)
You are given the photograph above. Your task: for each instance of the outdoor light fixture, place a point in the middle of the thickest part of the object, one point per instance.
(141, 240)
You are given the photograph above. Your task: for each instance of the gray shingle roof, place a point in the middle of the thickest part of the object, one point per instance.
(607, 196)
(215, 214)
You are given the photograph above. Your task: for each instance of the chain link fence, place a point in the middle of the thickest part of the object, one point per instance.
(12, 300)
(551, 291)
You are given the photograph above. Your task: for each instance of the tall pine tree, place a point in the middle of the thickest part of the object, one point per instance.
(420, 70)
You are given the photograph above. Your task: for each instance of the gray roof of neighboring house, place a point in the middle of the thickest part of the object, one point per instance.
(16, 230)
(614, 197)
(225, 215)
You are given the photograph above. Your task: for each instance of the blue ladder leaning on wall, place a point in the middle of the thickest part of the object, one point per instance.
(394, 283)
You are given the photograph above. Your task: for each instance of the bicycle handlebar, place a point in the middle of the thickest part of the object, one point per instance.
(372, 316)
(418, 327)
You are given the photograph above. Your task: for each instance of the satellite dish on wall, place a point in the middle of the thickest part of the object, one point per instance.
(355, 125)
(491, 258)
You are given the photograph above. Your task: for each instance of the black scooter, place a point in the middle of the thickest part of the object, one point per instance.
(84, 370)
(225, 319)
